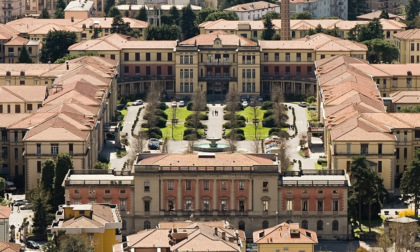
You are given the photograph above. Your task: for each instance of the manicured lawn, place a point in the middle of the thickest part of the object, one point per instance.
(178, 131)
(124, 113)
(249, 131)
(181, 113)
(248, 113)
(311, 115)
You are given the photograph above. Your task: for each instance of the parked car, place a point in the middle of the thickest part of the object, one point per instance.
(303, 104)
(173, 104)
(181, 103)
(245, 103)
(153, 146)
(137, 102)
(27, 206)
(32, 245)
(120, 106)
(19, 202)
(10, 186)
(156, 141)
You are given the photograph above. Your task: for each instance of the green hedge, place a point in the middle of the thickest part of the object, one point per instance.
(228, 117)
(200, 117)
(239, 124)
(154, 133)
(267, 105)
(191, 134)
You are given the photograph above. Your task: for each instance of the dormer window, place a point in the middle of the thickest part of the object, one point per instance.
(22, 73)
(8, 73)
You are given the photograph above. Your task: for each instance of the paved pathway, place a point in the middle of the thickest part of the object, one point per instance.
(215, 121)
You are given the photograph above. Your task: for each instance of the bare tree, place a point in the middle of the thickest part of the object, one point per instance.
(190, 144)
(257, 142)
(278, 107)
(256, 113)
(302, 140)
(153, 97)
(384, 242)
(232, 103)
(199, 104)
(283, 155)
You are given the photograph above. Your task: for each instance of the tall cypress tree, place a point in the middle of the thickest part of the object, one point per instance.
(188, 27)
(24, 56)
(269, 31)
(142, 14)
(63, 165)
(48, 173)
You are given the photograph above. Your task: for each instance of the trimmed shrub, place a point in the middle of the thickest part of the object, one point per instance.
(267, 105)
(190, 124)
(200, 117)
(239, 135)
(268, 113)
(269, 122)
(228, 117)
(162, 106)
(160, 122)
(158, 113)
(123, 100)
(190, 106)
(191, 134)
(238, 107)
(154, 133)
(239, 124)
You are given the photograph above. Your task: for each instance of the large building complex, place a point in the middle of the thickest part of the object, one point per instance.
(218, 62)
(254, 10)
(408, 42)
(320, 8)
(244, 189)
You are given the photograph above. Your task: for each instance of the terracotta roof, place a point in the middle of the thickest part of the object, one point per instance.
(22, 93)
(375, 14)
(284, 234)
(17, 41)
(181, 224)
(252, 6)
(9, 247)
(7, 32)
(399, 69)
(29, 121)
(408, 34)
(5, 212)
(44, 29)
(406, 97)
(220, 159)
(6, 120)
(225, 38)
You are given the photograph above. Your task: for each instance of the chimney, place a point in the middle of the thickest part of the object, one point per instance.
(215, 231)
(224, 235)
(67, 65)
(72, 19)
(285, 20)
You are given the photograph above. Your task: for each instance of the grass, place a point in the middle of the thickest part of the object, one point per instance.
(178, 131)
(248, 113)
(249, 131)
(320, 166)
(181, 113)
(311, 115)
(124, 113)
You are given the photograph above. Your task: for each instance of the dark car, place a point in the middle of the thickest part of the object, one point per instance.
(153, 146)
(32, 245)
(120, 106)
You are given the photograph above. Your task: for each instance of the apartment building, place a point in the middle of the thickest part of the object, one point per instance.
(391, 6)
(186, 236)
(11, 9)
(298, 28)
(79, 9)
(356, 122)
(99, 224)
(408, 42)
(253, 10)
(37, 29)
(160, 9)
(320, 8)
(12, 49)
(285, 236)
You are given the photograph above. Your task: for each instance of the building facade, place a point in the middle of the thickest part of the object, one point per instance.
(11, 9)
(408, 42)
(321, 8)
(253, 10)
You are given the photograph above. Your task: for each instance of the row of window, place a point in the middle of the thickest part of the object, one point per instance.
(206, 185)
(8, 108)
(4, 135)
(186, 59)
(186, 87)
(305, 191)
(148, 70)
(148, 57)
(248, 87)
(305, 205)
(5, 154)
(298, 71)
(122, 204)
(248, 73)
(106, 191)
(186, 73)
(205, 204)
(298, 57)
(54, 149)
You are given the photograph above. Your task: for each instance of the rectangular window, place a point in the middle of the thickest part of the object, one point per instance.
(417, 134)
(335, 205)
(146, 186)
(191, 73)
(304, 205)
(126, 57)
(181, 59)
(107, 191)
(147, 56)
(170, 70)
(206, 185)
(38, 166)
(1, 108)
(241, 185)
(171, 205)
(186, 60)
(147, 206)
(29, 107)
(298, 71)
(364, 149)
(123, 204)
(169, 56)
(320, 205)
(54, 149)
(309, 56)
(38, 149)
(287, 57)
(206, 205)
(397, 153)
(405, 153)
(15, 133)
(188, 185)
(412, 46)
(16, 153)
(276, 57)
(170, 185)
(265, 205)
(241, 205)
(191, 60)
(223, 205)
(126, 69)
(298, 57)
(289, 205)
(137, 56)
(159, 57)
(223, 185)
(70, 149)
(348, 148)
(137, 70)
(287, 71)
(159, 70)
(148, 72)
(379, 166)
(265, 56)
(265, 186)
(379, 148)
(17, 108)
(112, 56)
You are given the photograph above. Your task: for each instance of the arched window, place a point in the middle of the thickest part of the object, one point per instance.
(241, 225)
(305, 224)
(335, 225)
(320, 225)
(265, 224)
(147, 225)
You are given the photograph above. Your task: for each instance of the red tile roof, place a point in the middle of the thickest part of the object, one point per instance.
(284, 234)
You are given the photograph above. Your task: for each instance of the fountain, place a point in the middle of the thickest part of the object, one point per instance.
(213, 146)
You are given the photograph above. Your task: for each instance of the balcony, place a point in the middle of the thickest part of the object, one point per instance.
(7, 7)
(266, 76)
(218, 62)
(11, 54)
(217, 78)
(128, 78)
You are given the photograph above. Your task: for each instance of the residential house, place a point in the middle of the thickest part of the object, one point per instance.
(79, 9)
(13, 47)
(99, 224)
(253, 10)
(377, 14)
(285, 236)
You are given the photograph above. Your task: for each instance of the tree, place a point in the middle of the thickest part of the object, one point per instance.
(269, 31)
(142, 14)
(100, 166)
(63, 165)
(59, 9)
(174, 15)
(76, 243)
(356, 8)
(384, 242)
(71, 56)
(367, 187)
(48, 174)
(302, 15)
(119, 26)
(410, 186)
(188, 26)
(227, 15)
(415, 109)
(24, 56)
(203, 14)
(113, 12)
(272, 15)
(412, 10)
(40, 198)
(199, 104)
(44, 14)
(381, 51)
(163, 32)
(56, 45)
(232, 100)
(108, 5)
(384, 14)
(373, 30)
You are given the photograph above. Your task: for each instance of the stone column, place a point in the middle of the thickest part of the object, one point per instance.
(179, 196)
